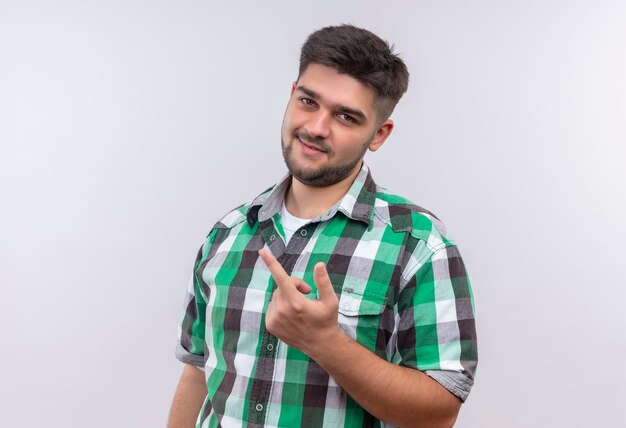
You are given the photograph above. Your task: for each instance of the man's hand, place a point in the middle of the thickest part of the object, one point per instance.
(302, 323)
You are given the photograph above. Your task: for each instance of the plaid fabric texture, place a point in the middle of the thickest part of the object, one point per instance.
(403, 294)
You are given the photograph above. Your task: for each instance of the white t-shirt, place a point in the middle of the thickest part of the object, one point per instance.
(290, 222)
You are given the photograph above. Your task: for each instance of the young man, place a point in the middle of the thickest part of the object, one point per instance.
(328, 301)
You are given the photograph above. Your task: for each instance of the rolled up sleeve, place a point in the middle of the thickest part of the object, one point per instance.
(436, 329)
(191, 330)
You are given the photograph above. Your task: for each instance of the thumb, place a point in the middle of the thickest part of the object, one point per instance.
(322, 281)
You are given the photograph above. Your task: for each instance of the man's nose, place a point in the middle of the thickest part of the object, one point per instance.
(319, 124)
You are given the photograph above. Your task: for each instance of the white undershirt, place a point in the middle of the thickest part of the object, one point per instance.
(290, 222)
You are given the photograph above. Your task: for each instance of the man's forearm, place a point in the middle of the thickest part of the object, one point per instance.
(190, 395)
(395, 394)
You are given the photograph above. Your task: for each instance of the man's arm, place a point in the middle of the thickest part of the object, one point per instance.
(188, 399)
(395, 394)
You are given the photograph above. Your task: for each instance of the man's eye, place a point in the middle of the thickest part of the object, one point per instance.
(307, 101)
(346, 118)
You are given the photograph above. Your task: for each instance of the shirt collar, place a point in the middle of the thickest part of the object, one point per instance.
(357, 203)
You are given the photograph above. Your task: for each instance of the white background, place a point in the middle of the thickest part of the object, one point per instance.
(127, 128)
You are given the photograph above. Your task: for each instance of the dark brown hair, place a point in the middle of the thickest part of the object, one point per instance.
(362, 55)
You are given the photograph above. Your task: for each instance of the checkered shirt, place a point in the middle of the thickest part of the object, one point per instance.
(403, 294)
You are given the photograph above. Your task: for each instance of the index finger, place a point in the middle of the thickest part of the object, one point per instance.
(277, 271)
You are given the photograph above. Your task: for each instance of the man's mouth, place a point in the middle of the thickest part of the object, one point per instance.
(307, 142)
(312, 147)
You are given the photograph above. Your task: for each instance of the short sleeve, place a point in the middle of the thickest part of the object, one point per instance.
(190, 347)
(436, 328)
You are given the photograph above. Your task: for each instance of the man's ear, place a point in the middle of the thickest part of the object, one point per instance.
(381, 135)
(293, 88)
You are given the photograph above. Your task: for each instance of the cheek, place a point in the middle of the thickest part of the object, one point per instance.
(351, 145)
(289, 120)
(285, 129)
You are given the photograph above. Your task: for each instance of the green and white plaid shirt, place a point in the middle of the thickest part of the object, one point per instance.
(403, 294)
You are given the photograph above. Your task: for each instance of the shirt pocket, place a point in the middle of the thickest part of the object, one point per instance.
(360, 314)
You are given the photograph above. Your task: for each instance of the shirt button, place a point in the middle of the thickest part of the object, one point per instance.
(259, 407)
(303, 232)
(272, 237)
(270, 347)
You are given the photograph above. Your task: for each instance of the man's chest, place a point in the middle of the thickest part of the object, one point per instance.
(364, 264)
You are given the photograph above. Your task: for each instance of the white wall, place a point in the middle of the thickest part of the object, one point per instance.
(127, 128)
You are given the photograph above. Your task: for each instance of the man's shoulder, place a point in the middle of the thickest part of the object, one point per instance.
(404, 216)
(233, 217)
(239, 214)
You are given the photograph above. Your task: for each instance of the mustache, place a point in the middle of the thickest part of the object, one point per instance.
(317, 142)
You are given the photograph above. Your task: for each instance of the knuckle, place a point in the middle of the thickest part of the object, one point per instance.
(297, 307)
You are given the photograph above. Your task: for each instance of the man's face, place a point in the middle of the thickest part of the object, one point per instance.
(329, 124)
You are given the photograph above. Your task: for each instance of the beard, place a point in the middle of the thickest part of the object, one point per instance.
(326, 175)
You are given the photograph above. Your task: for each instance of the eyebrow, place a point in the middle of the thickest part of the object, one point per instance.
(343, 109)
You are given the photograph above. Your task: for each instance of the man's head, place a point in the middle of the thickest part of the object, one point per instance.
(348, 84)
(364, 56)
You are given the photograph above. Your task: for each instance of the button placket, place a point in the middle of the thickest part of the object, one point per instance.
(272, 238)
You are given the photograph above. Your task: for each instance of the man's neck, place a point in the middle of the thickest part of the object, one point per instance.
(306, 201)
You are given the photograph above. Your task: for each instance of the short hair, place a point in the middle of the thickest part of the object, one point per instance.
(362, 55)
